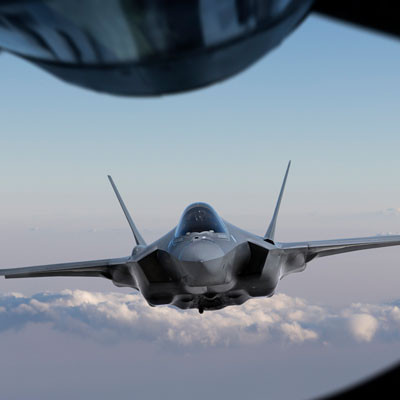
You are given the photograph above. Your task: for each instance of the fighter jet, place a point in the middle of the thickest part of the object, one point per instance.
(205, 262)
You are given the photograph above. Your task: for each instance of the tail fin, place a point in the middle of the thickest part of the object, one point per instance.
(269, 235)
(136, 234)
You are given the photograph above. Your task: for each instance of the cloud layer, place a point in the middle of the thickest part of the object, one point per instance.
(112, 317)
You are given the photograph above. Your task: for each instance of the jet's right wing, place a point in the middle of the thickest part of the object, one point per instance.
(323, 248)
(100, 268)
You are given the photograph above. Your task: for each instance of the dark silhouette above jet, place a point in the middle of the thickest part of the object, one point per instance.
(154, 47)
(205, 262)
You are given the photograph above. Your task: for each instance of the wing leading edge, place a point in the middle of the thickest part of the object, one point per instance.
(323, 248)
(96, 268)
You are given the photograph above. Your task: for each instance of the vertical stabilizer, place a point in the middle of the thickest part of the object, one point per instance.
(270, 234)
(136, 234)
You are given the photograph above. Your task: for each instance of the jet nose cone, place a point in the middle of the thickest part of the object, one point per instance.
(200, 250)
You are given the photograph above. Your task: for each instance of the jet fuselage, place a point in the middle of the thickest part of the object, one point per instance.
(205, 270)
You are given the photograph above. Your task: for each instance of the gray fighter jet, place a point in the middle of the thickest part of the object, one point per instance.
(205, 262)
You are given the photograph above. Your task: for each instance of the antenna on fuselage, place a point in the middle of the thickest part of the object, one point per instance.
(270, 234)
(138, 237)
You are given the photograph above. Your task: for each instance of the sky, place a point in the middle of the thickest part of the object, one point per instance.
(326, 99)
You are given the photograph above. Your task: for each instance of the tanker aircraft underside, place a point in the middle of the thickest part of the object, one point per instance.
(205, 262)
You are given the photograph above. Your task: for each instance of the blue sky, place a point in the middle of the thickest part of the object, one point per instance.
(327, 99)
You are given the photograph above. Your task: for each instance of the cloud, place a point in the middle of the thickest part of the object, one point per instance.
(112, 317)
(296, 333)
(363, 326)
(391, 211)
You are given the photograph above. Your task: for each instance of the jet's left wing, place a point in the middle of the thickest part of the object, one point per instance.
(100, 268)
(323, 248)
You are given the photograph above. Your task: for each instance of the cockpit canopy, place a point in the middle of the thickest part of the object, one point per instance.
(200, 217)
